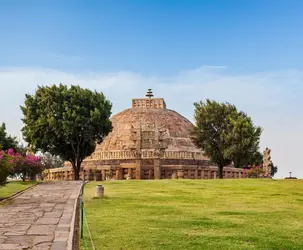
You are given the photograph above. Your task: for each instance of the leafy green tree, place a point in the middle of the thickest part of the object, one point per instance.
(5, 167)
(255, 158)
(252, 158)
(66, 121)
(6, 141)
(225, 134)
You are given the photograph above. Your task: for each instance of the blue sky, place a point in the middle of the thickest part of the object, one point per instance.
(242, 51)
(155, 37)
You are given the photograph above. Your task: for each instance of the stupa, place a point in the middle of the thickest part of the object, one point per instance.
(150, 141)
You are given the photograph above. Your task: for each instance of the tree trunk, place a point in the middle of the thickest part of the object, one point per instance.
(76, 168)
(237, 163)
(23, 176)
(220, 170)
(77, 175)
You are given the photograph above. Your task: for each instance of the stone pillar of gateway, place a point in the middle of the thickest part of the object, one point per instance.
(149, 141)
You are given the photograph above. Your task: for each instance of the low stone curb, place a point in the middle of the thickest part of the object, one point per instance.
(70, 242)
(17, 194)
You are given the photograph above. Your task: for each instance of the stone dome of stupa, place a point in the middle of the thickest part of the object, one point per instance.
(174, 127)
(147, 126)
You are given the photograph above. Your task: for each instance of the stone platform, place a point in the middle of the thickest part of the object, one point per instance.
(40, 218)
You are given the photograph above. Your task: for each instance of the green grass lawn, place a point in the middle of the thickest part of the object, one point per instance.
(14, 187)
(196, 214)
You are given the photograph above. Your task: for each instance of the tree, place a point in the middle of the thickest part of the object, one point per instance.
(66, 121)
(274, 169)
(5, 167)
(225, 134)
(255, 158)
(7, 141)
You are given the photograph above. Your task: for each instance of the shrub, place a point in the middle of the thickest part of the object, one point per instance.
(25, 167)
(256, 171)
(5, 167)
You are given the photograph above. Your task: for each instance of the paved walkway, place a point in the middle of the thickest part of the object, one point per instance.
(40, 218)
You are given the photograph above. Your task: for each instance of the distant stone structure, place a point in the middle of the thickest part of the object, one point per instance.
(148, 141)
(266, 162)
(29, 151)
(290, 177)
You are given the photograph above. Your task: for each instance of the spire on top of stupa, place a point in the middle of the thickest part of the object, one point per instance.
(149, 93)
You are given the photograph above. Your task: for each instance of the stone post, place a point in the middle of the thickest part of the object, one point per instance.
(215, 175)
(202, 174)
(103, 175)
(174, 175)
(129, 174)
(100, 191)
(72, 176)
(157, 169)
(138, 169)
(196, 173)
(180, 174)
(150, 174)
(66, 176)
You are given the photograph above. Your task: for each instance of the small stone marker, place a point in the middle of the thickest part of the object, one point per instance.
(174, 175)
(100, 191)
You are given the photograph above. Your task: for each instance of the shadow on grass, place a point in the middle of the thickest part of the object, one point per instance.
(244, 213)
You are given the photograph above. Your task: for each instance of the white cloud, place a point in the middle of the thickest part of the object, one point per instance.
(273, 99)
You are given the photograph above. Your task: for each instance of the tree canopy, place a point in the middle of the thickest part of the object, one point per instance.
(7, 141)
(225, 134)
(66, 121)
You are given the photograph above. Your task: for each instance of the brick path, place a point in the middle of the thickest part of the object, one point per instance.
(40, 218)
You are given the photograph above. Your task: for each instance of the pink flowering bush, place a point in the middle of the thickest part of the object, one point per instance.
(245, 173)
(255, 171)
(25, 167)
(6, 166)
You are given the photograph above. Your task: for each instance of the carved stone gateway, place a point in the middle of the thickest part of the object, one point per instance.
(267, 162)
(150, 137)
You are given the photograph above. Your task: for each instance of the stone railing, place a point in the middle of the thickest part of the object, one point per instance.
(118, 172)
(145, 154)
(65, 173)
